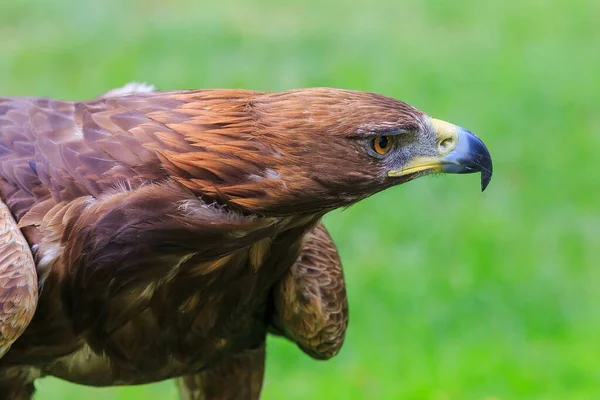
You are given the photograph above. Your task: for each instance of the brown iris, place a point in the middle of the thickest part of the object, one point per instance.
(382, 144)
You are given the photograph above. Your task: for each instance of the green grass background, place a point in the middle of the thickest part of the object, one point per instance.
(454, 294)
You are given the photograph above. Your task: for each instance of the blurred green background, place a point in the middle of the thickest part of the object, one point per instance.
(454, 294)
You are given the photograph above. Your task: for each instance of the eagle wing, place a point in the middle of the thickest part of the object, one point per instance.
(311, 307)
(18, 281)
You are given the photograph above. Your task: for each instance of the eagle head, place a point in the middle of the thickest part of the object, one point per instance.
(314, 150)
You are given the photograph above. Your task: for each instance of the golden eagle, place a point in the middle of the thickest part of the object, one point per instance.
(169, 232)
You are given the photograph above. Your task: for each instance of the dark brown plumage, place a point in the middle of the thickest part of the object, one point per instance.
(172, 230)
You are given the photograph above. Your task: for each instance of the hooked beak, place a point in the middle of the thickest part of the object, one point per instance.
(459, 152)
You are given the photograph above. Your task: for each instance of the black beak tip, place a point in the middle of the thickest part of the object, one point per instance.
(486, 168)
(486, 177)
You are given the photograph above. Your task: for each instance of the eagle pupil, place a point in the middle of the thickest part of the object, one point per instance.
(383, 142)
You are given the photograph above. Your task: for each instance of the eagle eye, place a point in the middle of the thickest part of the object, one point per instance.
(382, 144)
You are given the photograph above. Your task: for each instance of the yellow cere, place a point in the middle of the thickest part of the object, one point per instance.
(443, 128)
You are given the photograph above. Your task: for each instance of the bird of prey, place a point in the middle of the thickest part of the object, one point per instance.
(153, 235)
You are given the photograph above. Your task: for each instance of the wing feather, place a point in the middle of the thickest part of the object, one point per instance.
(311, 307)
(18, 281)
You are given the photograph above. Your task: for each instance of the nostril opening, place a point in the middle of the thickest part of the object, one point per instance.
(446, 145)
